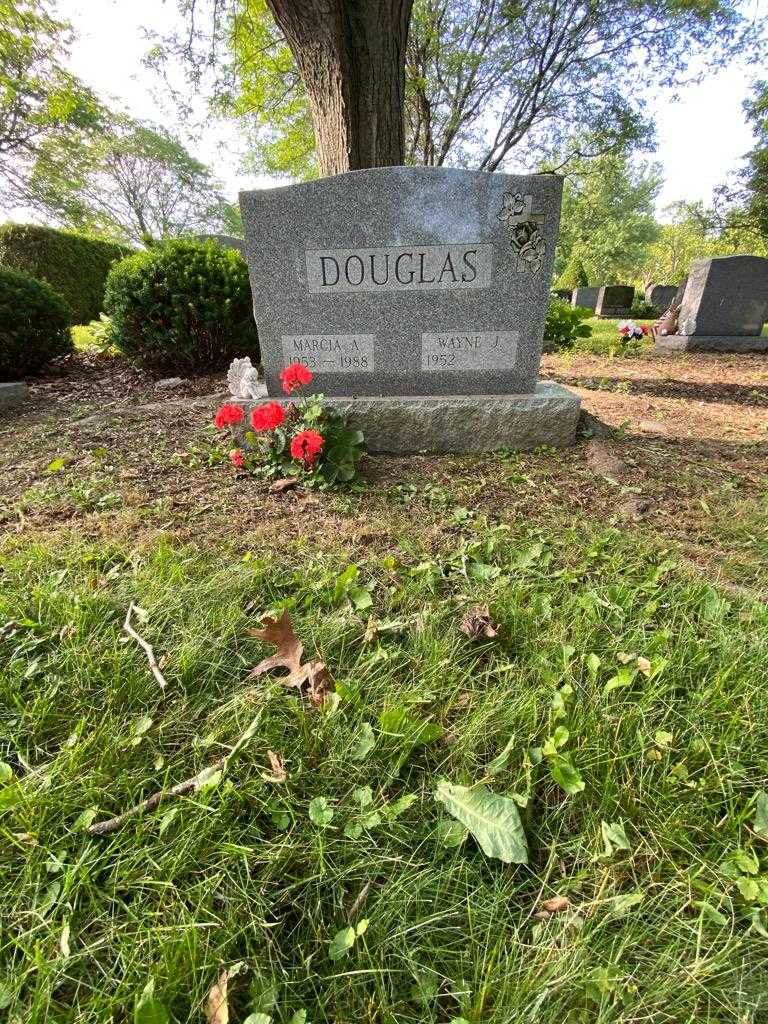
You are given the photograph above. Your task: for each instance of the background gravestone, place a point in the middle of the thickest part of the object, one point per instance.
(225, 241)
(585, 298)
(407, 290)
(660, 296)
(614, 300)
(724, 306)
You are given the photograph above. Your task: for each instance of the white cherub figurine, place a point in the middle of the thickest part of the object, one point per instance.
(243, 379)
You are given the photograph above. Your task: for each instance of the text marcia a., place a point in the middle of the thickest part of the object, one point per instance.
(399, 268)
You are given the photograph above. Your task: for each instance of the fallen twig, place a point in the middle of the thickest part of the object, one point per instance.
(361, 898)
(147, 648)
(202, 778)
(180, 789)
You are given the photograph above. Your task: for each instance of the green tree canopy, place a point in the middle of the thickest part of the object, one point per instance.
(487, 81)
(133, 182)
(39, 98)
(741, 206)
(687, 237)
(607, 219)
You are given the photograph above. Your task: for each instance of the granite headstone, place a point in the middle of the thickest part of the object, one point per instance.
(660, 296)
(614, 300)
(585, 298)
(417, 296)
(404, 280)
(724, 306)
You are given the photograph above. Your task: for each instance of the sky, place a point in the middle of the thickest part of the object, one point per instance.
(701, 137)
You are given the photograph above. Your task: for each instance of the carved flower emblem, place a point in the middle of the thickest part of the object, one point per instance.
(512, 207)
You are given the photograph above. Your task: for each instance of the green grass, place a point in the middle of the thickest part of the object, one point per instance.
(672, 929)
(605, 339)
(93, 337)
(82, 336)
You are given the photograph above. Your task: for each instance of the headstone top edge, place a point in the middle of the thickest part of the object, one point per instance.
(396, 171)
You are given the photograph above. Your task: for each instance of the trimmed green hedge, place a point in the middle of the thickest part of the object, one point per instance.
(75, 266)
(34, 325)
(181, 307)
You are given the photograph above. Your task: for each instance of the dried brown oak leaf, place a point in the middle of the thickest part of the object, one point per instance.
(312, 679)
(477, 623)
(286, 483)
(555, 905)
(279, 774)
(216, 1007)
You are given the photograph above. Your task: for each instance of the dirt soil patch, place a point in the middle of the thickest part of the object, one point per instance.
(682, 455)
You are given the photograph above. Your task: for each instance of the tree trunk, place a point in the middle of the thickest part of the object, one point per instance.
(351, 57)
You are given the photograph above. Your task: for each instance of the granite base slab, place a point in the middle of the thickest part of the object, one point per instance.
(455, 424)
(13, 395)
(716, 343)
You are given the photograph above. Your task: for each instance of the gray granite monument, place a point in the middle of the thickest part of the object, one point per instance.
(660, 296)
(585, 298)
(614, 300)
(417, 297)
(724, 307)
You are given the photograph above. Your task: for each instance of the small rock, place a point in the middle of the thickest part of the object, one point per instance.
(168, 383)
(633, 509)
(604, 463)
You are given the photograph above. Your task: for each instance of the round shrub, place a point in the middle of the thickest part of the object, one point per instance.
(34, 324)
(574, 275)
(182, 306)
(564, 324)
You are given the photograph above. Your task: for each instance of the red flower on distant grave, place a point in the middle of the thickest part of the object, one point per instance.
(267, 416)
(306, 446)
(237, 458)
(228, 415)
(294, 376)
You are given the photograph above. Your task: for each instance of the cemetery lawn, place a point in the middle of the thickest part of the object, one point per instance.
(622, 702)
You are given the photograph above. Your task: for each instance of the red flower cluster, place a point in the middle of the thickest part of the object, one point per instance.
(644, 328)
(228, 415)
(237, 458)
(306, 446)
(267, 416)
(294, 376)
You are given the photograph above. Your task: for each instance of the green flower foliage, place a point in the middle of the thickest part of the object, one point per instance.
(73, 265)
(34, 325)
(182, 306)
(564, 324)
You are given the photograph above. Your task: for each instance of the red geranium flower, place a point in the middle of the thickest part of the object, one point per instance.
(294, 376)
(267, 416)
(229, 414)
(644, 328)
(236, 458)
(306, 446)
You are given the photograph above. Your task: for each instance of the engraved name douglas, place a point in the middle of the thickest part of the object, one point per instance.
(399, 268)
